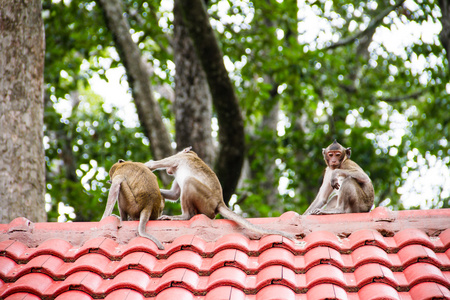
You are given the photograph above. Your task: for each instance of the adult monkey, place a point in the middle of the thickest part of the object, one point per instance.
(199, 190)
(136, 189)
(350, 188)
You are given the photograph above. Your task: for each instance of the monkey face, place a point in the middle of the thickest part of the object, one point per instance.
(334, 158)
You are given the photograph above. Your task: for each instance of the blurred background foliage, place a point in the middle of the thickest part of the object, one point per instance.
(305, 73)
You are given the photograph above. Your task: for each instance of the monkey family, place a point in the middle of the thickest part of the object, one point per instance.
(345, 189)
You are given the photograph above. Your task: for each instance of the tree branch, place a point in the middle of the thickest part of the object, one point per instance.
(374, 23)
(412, 96)
(138, 76)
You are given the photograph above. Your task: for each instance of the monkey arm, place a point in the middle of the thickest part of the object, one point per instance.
(174, 192)
(359, 175)
(322, 196)
(161, 164)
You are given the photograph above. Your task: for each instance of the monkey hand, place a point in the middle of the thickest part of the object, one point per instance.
(149, 165)
(335, 183)
(165, 217)
(317, 211)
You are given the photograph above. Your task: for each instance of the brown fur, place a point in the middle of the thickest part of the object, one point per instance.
(353, 188)
(137, 190)
(199, 190)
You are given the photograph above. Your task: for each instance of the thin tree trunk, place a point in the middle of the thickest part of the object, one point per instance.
(231, 125)
(444, 36)
(138, 77)
(193, 104)
(22, 167)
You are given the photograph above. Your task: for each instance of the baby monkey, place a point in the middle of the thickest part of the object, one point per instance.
(199, 190)
(345, 188)
(137, 190)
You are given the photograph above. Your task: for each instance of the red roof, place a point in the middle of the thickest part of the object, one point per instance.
(376, 255)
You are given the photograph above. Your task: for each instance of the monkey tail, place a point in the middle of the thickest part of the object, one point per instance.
(145, 215)
(231, 215)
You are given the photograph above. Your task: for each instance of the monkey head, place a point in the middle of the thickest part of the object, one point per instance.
(114, 168)
(335, 154)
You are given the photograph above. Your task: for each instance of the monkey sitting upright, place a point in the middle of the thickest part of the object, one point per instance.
(353, 188)
(199, 190)
(137, 190)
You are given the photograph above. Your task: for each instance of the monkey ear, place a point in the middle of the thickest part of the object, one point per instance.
(121, 161)
(187, 149)
(324, 150)
(109, 181)
(348, 152)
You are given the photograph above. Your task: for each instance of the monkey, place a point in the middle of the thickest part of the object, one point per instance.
(199, 190)
(346, 188)
(137, 190)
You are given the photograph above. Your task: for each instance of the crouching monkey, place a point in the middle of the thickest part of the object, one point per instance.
(350, 188)
(137, 190)
(199, 190)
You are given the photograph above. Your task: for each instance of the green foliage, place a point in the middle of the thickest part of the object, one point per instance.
(364, 94)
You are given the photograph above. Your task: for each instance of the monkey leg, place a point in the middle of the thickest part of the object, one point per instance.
(145, 215)
(113, 196)
(348, 200)
(196, 198)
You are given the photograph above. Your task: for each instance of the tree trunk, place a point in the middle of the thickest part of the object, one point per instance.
(22, 167)
(138, 77)
(193, 106)
(444, 36)
(231, 125)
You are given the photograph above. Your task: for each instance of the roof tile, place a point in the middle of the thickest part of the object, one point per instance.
(182, 259)
(85, 281)
(430, 290)
(234, 241)
(70, 295)
(370, 254)
(417, 253)
(93, 262)
(34, 283)
(323, 255)
(232, 258)
(379, 291)
(138, 244)
(412, 236)
(421, 272)
(139, 261)
(374, 272)
(327, 291)
(445, 238)
(174, 293)
(276, 275)
(129, 279)
(322, 238)
(188, 242)
(272, 292)
(23, 296)
(325, 274)
(54, 247)
(6, 265)
(225, 293)
(229, 276)
(366, 237)
(13, 249)
(276, 256)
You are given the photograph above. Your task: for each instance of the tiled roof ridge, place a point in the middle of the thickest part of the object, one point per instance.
(398, 255)
(387, 222)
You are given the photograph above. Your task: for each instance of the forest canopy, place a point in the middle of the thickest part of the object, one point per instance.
(257, 88)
